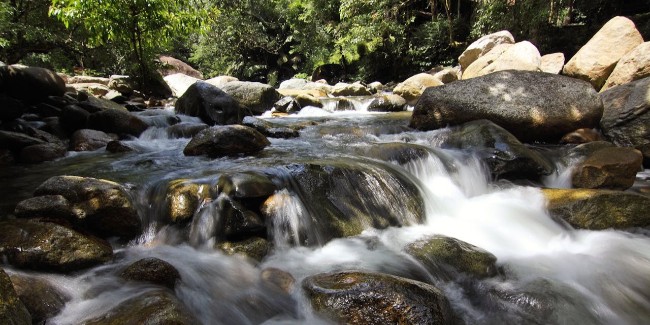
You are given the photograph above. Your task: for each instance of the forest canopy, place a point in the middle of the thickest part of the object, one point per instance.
(273, 40)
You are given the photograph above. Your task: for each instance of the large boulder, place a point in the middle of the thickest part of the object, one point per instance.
(356, 297)
(255, 97)
(626, 114)
(484, 61)
(121, 83)
(172, 65)
(533, 106)
(608, 168)
(42, 299)
(219, 141)
(598, 209)
(30, 84)
(12, 310)
(520, 56)
(412, 88)
(152, 270)
(632, 66)
(255, 248)
(482, 46)
(552, 63)
(595, 60)
(179, 83)
(211, 104)
(100, 206)
(47, 246)
(117, 121)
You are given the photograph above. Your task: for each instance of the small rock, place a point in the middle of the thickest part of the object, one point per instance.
(152, 270)
(608, 168)
(412, 88)
(255, 248)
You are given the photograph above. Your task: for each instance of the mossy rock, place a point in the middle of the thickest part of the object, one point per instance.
(183, 198)
(152, 270)
(12, 310)
(255, 248)
(42, 299)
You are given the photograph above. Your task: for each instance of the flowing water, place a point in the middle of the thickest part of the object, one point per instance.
(550, 273)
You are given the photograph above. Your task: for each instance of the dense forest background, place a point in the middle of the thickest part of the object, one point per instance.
(273, 40)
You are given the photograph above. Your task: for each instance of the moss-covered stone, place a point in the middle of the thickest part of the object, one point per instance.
(255, 248)
(183, 198)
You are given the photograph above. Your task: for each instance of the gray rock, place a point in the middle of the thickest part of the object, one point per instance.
(117, 121)
(30, 84)
(387, 103)
(627, 113)
(10, 108)
(89, 140)
(74, 117)
(255, 248)
(255, 97)
(219, 141)
(46, 206)
(152, 270)
(42, 299)
(12, 310)
(186, 129)
(173, 65)
(211, 104)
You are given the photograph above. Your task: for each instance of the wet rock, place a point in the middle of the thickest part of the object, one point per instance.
(372, 298)
(399, 152)
(117, 121)
(211, 104)
(237, 220)
(44, 246)
(608, 168)
(505, 156)
(278, 279)
(89, 140)
(598, 209)
(94, 104)
(552, 63)
(583, 135)
(270, 129)
(183, 199)
(12, 310)
(443, 256)
(412, 88)
(219, 141)
(346, 89)
(627, 113)
(286, 105)
(15, 141)
(305, 100)
(152, 270)
(42, 299)
(595, 60)
(87, 80)
(179, 83)
(122, 84)
(632, 66)
(117, 146)
(186, 129)
(253, 96)
(100, 206)
(41, 152)
(520, 56)
(30, 84)
(645, 151)
(150, 307)
(46, 206)
(171, 65)
(533, 106)
(484, 45)
(255, 248)
(74, 117)
(343, 104)
(387, 103)
(10, 108)
(245, 185)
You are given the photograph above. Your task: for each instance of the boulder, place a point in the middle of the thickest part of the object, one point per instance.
(634, 65)
(93, 104)
(346, 89)
(355, 297)
(179, 83)
(315, 93)
(552, 63)
(39, 153)
(47, 246)
(117, 121)
(376, 87)
(245, 185)
(211, 104)
(397, 152)
(172, 65)
(482, 46)
(74, 117)
(504, 155)
(89, 140)
(16, 141)
(305, 100)
(286, 105)
(448, 74)
(186, 129)
(152, 270)
(150, 307)
(122, 84)
(294, 83)
(278, 279)
(45, 206)
(626, 114)
(12, 309)
(183, 198)
(387, 103)
(412, 88)
(533, 106)
(443, 256)
(645, 151)
(221, 80)
(219, 141)
(598, 209)
(255, 248)
(99, 206)
(582, 135)
(595, 60)
(255, 97)
(520, 56)
(30, 84)
(608, 168)
(269, 129)
(41, 298)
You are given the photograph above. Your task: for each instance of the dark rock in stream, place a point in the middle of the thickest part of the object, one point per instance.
(209, 103)
(255, 248)
(73, 118)
(237, 221)
(152, 270)
(387, 103)
(398, 152)
(245, 185)
(45, 206)
(89, 140)
(186, 129)
(270, 129)
(117, 121)
(608, 168)
(219, 141)
(12, 310)
(30, 84)
(10, 108)
(254, 97)
(47, 246)
(533, 106)
(42, 299)
(41, 152)
(117, 147)
(356, 297)
(182, 199)
(627, 113)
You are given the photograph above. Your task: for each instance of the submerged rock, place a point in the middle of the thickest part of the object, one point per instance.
(12, 309)
(42, 299)
(152, 270)
(355, 297)
(255, 248)
(219, 141)
(608, 168)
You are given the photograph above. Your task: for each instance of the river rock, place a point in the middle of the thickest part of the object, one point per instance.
(89, 140)
(346, 89)
(95, 89)
(442, 255)
(552, 63)
(74, 117)
(632, 66)
(121, 83)
(43, 246)
(645, 151)
(608, 168)
(87, 80)
(236, 220)
(179, 83)
(253, 96)
(269, 129)
(183, 198)
(278, 279)
(255, 248)
(12, 310)
(598, 209)
(171, 65)
(286, 105)
(412, 88)
(39, 153)
(595, 61)
(30, 84)
(10, 108)
(387, 103)
(505, 156)
(117, 147)
(100, 206)
(294, 83)
(186, 129)
(41, 298)
(221, 80)
(305, 100)
(582, 135)
(474, 69)
(219, 141)
(627, 113)
(484, 45)
(46, 206)
(356, 297)
(150, 307)
(533, 106)
(15, 141)
(211, 104)
(117, 121)
(245, 185)
(520, 56)
(397, 152)
(152, 270)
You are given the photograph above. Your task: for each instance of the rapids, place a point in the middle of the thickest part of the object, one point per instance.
(550, 273)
